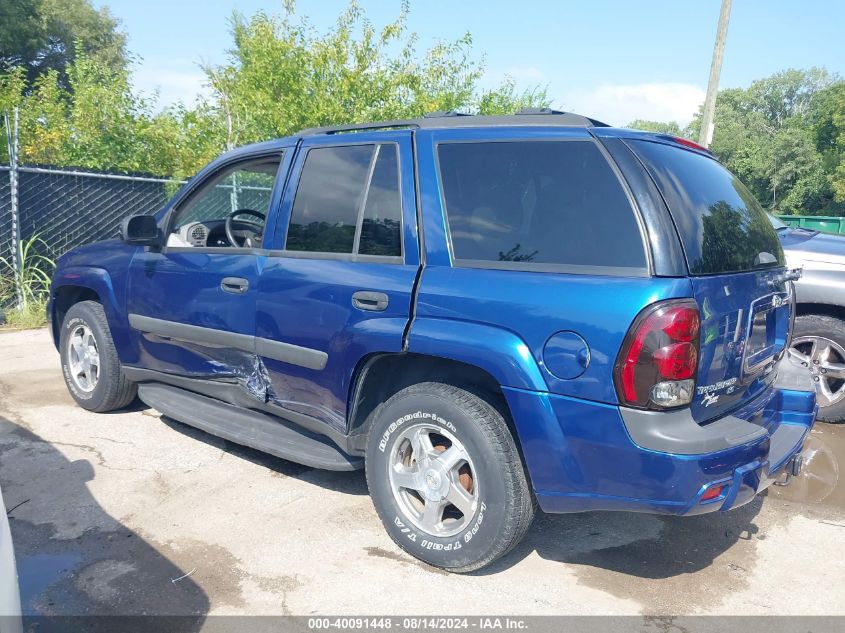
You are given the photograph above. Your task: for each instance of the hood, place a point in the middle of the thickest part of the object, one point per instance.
(801, 245)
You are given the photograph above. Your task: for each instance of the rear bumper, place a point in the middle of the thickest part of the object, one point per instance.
(583, 456)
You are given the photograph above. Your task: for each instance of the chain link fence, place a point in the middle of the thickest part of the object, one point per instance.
(5, 214)
(64, 209)
(53, 209)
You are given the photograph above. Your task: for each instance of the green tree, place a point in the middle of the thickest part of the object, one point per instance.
(44, 35)
(765, 135)
(96, 122)
(282, 76)
(828, 121)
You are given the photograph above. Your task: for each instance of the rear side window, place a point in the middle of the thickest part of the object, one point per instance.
(722, 226)
(331, 190)
(380, 225)
(348, 202)
(538, 205)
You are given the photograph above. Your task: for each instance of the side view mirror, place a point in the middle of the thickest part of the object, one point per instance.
(140, 230)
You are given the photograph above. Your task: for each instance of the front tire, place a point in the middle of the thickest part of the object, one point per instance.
(819, 344)
(91, 368)
(446, 477)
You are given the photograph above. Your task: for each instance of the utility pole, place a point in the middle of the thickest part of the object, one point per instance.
(706, 135)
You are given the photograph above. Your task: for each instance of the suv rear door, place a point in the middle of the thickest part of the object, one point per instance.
(736, 267)
(337, 284)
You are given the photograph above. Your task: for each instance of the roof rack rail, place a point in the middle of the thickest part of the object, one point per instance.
(444, 113)
(539, 111)
(453, 119)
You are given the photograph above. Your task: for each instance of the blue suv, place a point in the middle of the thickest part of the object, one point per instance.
(488, 314)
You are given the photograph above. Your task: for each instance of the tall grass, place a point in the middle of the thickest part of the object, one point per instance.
(33, 281)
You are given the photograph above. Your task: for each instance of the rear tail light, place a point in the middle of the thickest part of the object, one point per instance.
(659, 359)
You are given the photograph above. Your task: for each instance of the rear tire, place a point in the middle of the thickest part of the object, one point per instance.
(827, 333)
(91, 368)
(431, 444)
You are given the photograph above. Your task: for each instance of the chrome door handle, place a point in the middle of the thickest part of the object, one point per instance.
(368, 300)
(234, 285)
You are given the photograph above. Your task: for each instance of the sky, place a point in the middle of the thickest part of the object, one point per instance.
(612, 60)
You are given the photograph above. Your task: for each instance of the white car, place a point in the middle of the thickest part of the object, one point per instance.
(10, 602)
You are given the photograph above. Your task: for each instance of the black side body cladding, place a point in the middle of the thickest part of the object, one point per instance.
(285, 352)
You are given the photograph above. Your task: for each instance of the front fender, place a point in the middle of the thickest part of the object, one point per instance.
(99, 281)
(499, 352)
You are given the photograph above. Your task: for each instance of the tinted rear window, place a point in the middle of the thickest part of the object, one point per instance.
(382, 219)
(723, 228)
(330, 192)
(542, 205)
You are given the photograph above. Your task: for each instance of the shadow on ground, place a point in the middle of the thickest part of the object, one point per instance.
(73, 558)
(351, 483)
(641, 545)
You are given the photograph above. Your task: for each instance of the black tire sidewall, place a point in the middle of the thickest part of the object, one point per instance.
(81, 314)
(828, 327)
(476, 541)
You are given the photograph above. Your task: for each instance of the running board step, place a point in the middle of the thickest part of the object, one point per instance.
(247, 427)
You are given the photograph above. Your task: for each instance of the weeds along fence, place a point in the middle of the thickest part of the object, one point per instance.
(66, 208)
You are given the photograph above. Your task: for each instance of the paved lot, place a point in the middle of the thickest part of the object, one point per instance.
(113, 509)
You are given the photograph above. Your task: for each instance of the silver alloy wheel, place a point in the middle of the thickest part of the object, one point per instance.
(825, 360)
(433, 480)
(83, 358)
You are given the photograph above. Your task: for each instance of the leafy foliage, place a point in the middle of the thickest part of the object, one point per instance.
(281, 76)
(32, 281)
(784, 137)
(64, 65)
(40, 36)
(96, 123)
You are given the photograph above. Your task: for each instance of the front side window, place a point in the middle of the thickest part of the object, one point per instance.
(237, 196)
(542, 205)
(348, 202)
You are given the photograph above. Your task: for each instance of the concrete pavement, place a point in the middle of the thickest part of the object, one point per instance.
(134, 513)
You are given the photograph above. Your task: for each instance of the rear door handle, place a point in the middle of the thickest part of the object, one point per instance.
(368, 300)
(234, 285)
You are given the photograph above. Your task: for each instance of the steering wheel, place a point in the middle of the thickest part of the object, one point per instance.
(241, 233)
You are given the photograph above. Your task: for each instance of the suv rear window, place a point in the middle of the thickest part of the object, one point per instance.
(722, 226)
(538, 205)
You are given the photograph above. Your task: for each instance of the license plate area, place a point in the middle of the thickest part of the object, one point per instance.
(768, 328)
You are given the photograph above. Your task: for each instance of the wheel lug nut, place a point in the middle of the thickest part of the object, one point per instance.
(804, 364)
(816, 378)
(815, 362)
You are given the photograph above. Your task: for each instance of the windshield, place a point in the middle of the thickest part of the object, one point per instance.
(723, 228)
